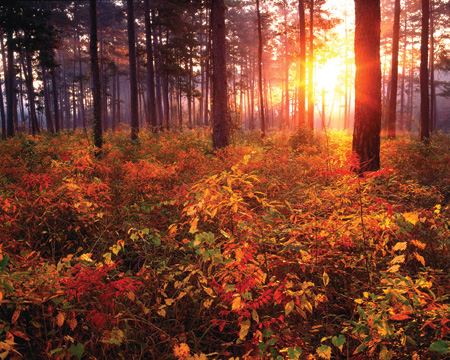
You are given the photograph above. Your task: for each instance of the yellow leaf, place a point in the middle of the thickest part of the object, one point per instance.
(418, 244)
(86, 257)
(255, 316)
(324, 352)
(411, 217)
(398, 260)
(419, 258)
(200, 357)
(207, 303)
(325, 278)
(394, 268)
(245, 327)
(234, 208)
(162, 312)
(400, 246)
(236, 305)
(169, 301)
(289, 307)
(193, 228)
(239, 254)
(60, 319)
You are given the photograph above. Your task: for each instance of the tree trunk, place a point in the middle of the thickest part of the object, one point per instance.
(392, 117)
(424, 96)
(151, 99)
(48, 110)
(302, 88)
(31, 102)
(10, 85)
(55, 99)
(133, 75)
(433, 109)
(96, 93)
(2, 112)
(82, 114)
(402, 90)
(260, 79)
(286, 69)
(220, 90)
(311, 67)
(366, 134)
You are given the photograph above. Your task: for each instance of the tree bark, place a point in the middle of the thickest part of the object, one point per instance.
(260, 78)
(220, 89)
(392, 117)
(10, 86)
(424, 96)
(151, 98)
(367, 128)
(302, 87)
(133, 75)
(96, 93)
(311, 67)
(48, 110)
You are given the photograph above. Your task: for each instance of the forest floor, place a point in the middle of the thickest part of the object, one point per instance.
(163, 249)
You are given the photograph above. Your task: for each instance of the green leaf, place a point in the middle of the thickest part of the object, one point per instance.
(324, 352)
(294, 353)
(77, 350)
(338, 341)
(267, 333)
(441, 346)
(360, 348)
(3, 263)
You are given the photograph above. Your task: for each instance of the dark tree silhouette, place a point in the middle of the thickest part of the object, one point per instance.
(220, 92)
(424, 96)
(260, 80)
(151, 99)
(392, 117)
(302, 89)
(98, 140)
(133, 71)
(366, 134)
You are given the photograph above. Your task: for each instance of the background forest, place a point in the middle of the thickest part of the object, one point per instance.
(238, 221)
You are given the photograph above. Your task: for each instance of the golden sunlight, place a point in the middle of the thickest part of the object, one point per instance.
(327, 75)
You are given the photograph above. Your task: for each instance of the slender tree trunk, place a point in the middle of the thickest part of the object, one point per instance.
(96, 93)
(424, 95)
(208, 76)
(133, 75)
(113, 98)
(118, 98)
(432, 82)
(260, 79)
(220, 90)
(10, 85)
(82, 114)
(2, 112)
(302, 88)
(392, 118)
(286, 68)
(31, 102)
(311, 67)
(55, 99)
(151, 98)
(366, 134)
(402, 91)
(48, 110)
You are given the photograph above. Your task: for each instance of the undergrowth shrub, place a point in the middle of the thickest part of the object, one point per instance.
(162, 248)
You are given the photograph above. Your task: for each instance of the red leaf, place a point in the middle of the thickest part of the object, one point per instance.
(400, 316)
